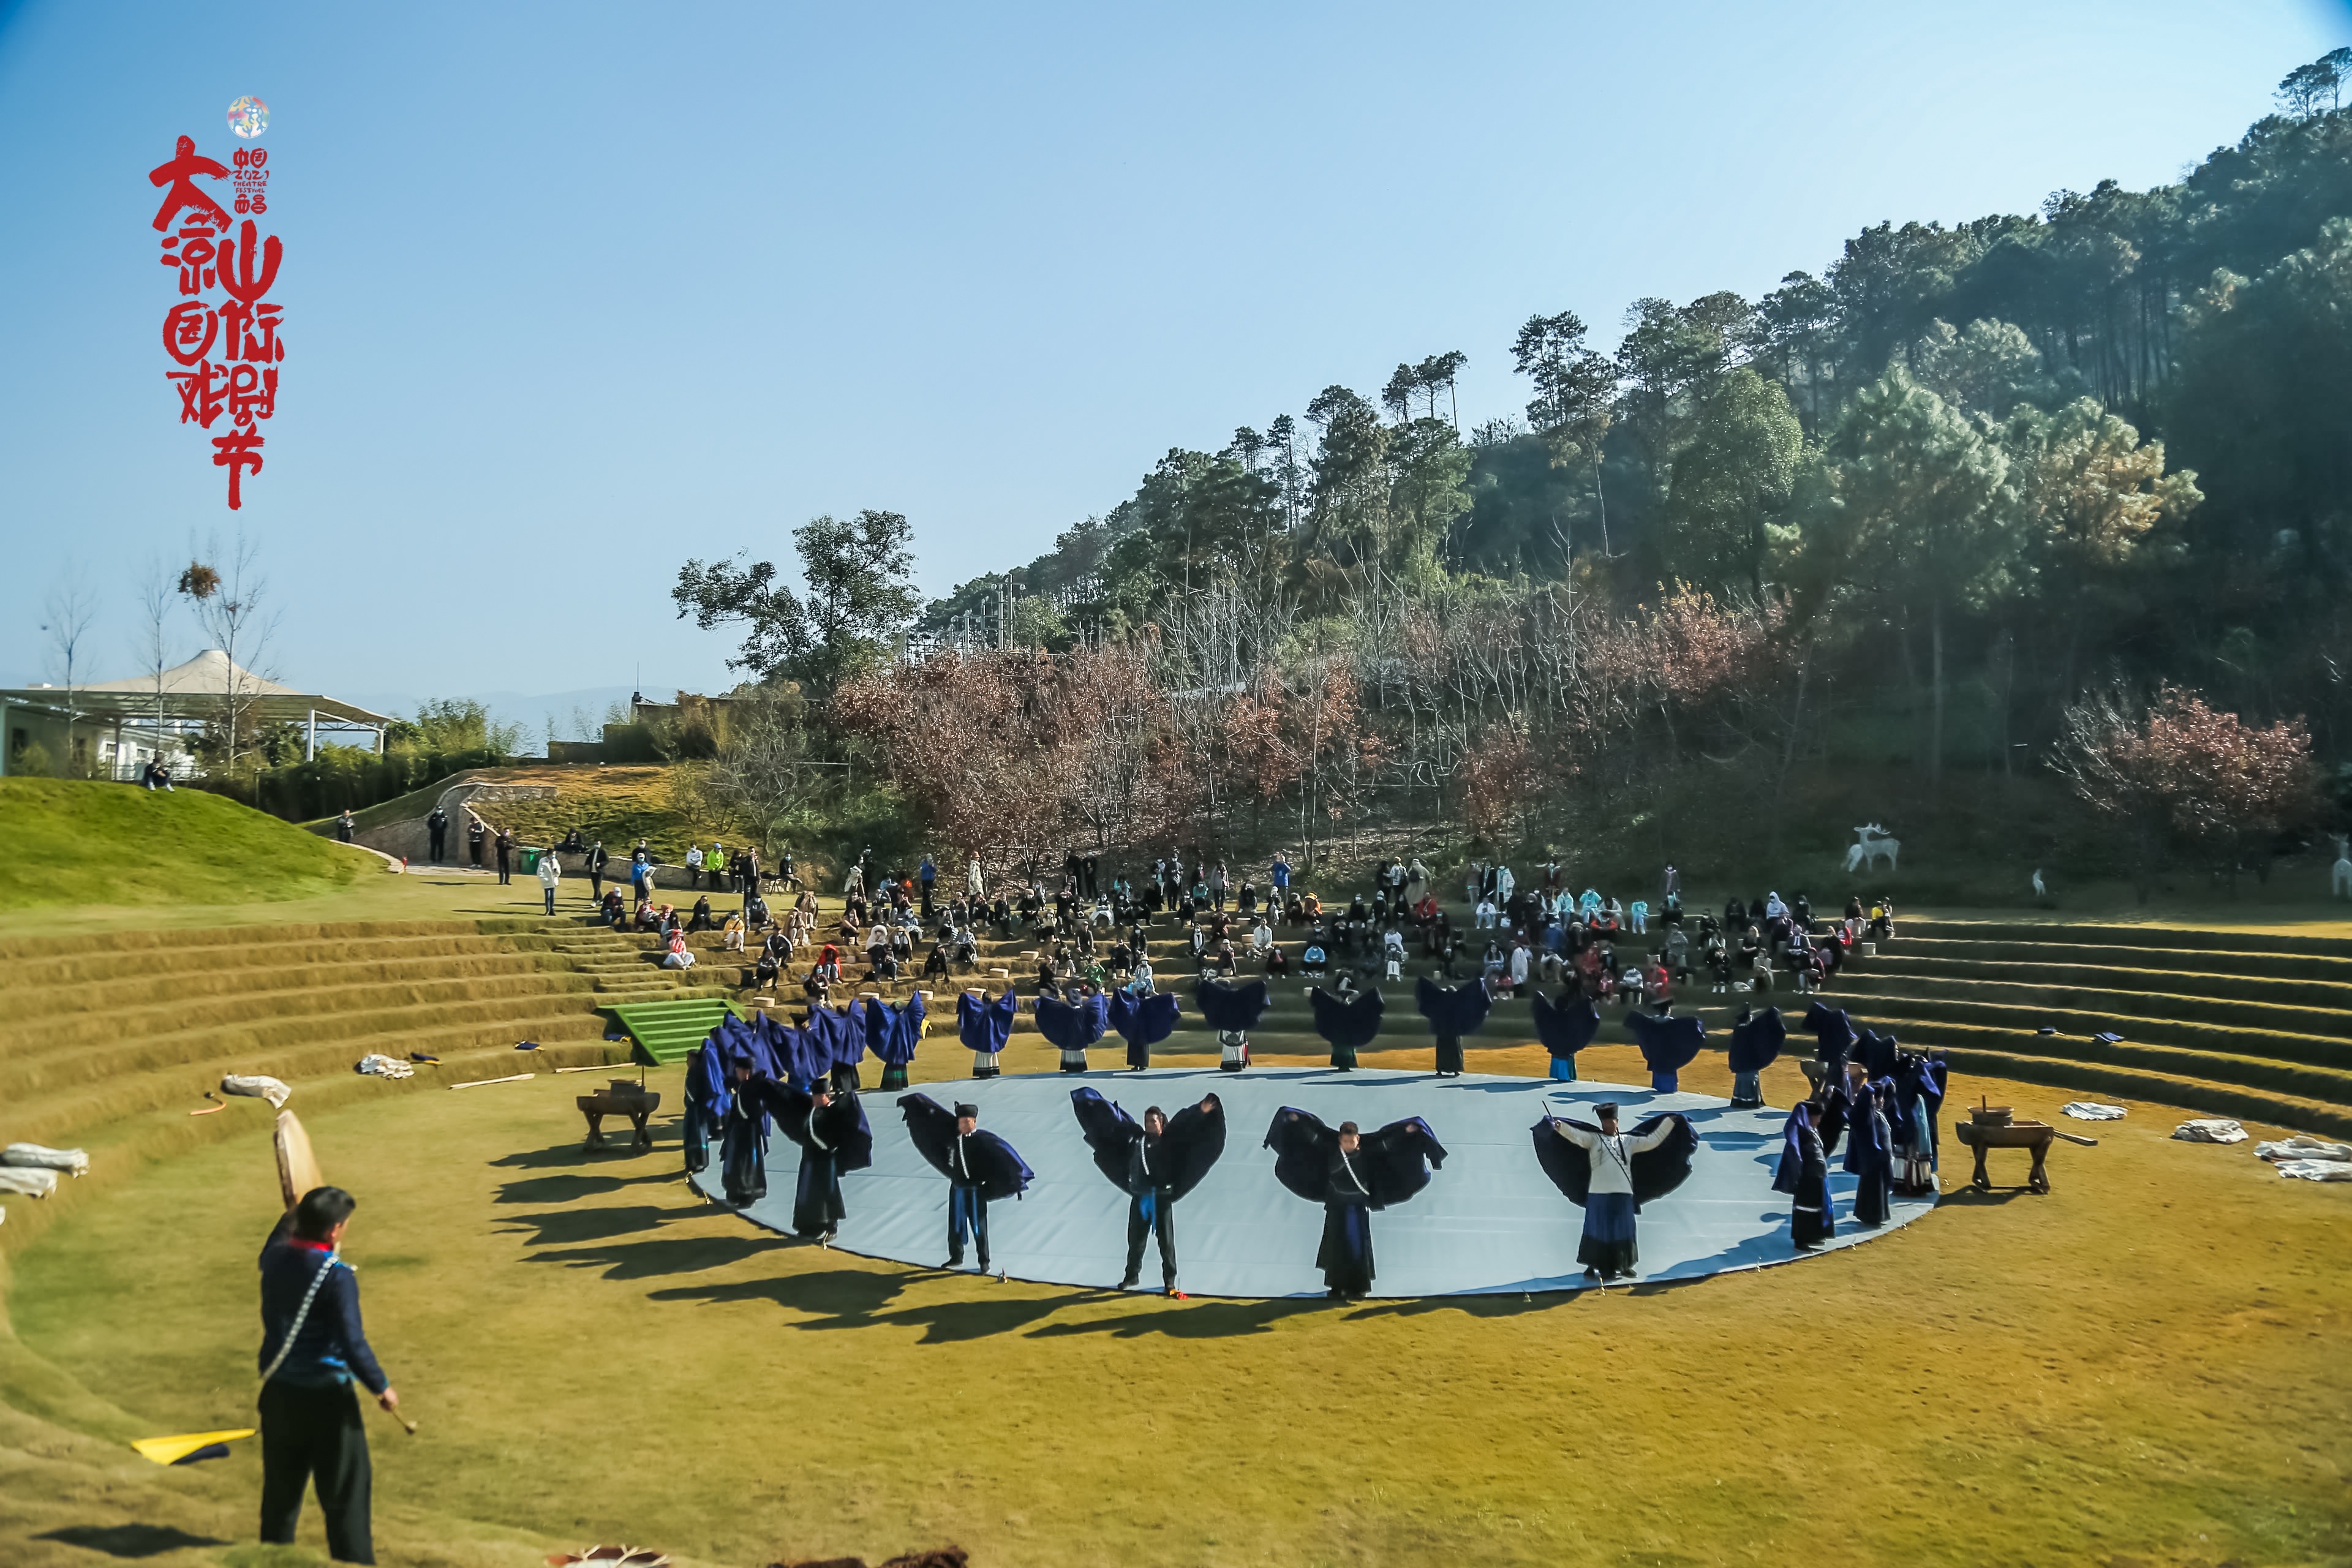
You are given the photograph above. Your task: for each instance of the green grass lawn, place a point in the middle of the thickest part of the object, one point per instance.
(2144, 1367)
(73, 843)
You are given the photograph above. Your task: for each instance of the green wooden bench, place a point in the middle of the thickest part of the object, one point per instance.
(667, 1032)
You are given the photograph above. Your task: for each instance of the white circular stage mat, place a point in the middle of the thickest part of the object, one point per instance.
(1489, 1220)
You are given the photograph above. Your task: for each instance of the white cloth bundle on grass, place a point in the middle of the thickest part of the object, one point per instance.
(2316, 1170)
(2210, 1129)
(2092, 1111)
(2301, 1148)
(257, 1087)
(27, 1180)
(73, 1162)
(383, 1066)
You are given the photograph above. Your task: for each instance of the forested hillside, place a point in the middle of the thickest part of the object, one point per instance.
(2014, 495)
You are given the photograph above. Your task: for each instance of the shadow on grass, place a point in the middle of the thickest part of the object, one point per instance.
(1196, 1320)
(129, 1540)
(571, 1155)
(673, 1254)
(853, 1299)
(569, 1189)
(570, 1227)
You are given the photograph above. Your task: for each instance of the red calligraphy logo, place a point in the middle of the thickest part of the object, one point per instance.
(227, 353)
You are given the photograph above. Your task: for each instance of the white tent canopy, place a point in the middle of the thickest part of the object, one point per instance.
(192, 690)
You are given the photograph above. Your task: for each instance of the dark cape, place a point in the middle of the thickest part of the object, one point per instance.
(892, 1033)
(1833, 1034)
(1347, 1026)
(1756, 1041)
(1565, 1027)
(1804, 1175)
(832, 1140)
(1233, 1011)
(1657, 1172)
(1388, 1167)
(806, 1054)
(1143, 1022)
(1870, 1156)
(1073, 1025)
(707, 1100)
(1140, 1165)
(986, 1026)
(1452, 1011)
(1668, 1046)
(1877, 1053)
(988, 1161)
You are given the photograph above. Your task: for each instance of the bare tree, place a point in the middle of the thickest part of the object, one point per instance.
(157, 590)
(70, 609)
(229, 599)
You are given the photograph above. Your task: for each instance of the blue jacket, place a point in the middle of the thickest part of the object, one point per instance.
(332, 1348)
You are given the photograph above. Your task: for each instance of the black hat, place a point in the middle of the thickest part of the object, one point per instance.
(1606, 1110)
(963, 1111)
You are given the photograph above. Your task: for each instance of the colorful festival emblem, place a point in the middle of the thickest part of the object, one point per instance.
(223, 335)
(248, 117)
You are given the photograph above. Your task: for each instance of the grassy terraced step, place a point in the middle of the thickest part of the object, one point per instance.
(669, 1031)
(2104, 1081)
(263, 980)
(2084, 976)
(2317, 1083)
(65, 971)
(2158, 970)
(2251, 1036)
(2134, 936)
(2176, 960)
(2186, 1006)
(60, 1117)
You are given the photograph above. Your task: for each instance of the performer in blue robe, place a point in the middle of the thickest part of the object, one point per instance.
(1804, 1175)
(1350, 1175)
(1154, 1164)
(707, 1098)
(1452, 1011)
(1833, 1034)
(1756, 1041)
(1233, 1010)
(1869, 1148)
(1143, 1022)
(1668, 1046)
(1877, 1053)
(743, 1146)
(1073, 1025)
(1349, 1023)
(892, 1033)
(980, 1166)
(1918, 1098)
(1611, 1174)
(834, 1137)
(1565, 1027)
(985, 1025)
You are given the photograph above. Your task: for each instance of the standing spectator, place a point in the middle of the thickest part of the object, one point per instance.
(694, 866)
(438, 824)
(550, 874)
(926, 874)
(597, 859)
(343, 826)
(1218, 883)
(506, 849)
(786, 872)
(476, 835)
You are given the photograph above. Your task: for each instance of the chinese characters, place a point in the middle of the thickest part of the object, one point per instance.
(223, 335)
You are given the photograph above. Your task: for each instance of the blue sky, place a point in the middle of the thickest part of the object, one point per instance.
(573, 292)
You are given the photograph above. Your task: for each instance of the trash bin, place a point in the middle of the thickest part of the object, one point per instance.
(530, 861)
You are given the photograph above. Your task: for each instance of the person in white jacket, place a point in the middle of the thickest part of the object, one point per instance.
(975, 885)
(1607, 1250)
(551, 876)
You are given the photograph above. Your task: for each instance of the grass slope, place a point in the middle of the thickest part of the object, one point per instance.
(76, 843)
(2134, 1370)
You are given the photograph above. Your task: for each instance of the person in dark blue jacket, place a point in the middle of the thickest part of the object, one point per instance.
(312, 1347)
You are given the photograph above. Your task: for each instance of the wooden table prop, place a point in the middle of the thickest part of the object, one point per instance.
(1982, 1136)
(624, 1097)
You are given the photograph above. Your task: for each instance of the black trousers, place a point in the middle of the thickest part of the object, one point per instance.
(502, 866)
(440, 842)
(315, 1433)
(967, 1213)
(1162, 1224)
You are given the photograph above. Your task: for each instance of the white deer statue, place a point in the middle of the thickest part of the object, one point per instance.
(1871, 843)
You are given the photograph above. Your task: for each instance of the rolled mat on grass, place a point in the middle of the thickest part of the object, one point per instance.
(940, 1557)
